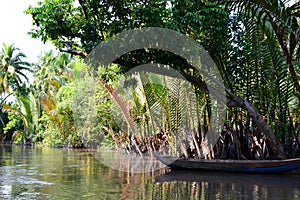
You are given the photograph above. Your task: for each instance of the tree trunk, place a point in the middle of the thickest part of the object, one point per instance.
(294, 77)
(236, 101)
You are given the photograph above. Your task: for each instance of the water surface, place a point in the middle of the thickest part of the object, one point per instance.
(46, 173)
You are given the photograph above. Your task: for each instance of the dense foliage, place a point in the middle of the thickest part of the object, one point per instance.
(255, 45)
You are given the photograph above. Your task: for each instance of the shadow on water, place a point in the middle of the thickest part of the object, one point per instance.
(45, 173)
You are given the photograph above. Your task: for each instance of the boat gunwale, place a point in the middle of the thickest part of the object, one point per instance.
(251, 166)
(227, 160)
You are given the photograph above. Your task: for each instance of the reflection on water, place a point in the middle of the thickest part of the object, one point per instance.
(128, 163)
(45, 173)
(210, 185)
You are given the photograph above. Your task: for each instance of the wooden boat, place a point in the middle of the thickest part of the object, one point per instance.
(248, 166)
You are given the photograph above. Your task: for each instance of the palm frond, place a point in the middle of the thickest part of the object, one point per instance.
(48, 104)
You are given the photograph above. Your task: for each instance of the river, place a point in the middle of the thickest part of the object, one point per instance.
(48, 173)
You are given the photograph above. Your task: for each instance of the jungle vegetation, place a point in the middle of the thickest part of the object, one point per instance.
(255, 45)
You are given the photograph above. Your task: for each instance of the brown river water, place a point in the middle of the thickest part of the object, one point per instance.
(47, 173)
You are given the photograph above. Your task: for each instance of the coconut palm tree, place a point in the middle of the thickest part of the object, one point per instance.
(27, 107)
(13, 68)
(51, 72)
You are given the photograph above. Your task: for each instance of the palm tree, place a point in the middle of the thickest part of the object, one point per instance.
(264, 70)
(280, 18)
(51, 73)
(12, 74)
(13, 68)
(27, 107)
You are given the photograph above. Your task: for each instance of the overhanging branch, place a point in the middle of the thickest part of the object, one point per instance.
(74, 52)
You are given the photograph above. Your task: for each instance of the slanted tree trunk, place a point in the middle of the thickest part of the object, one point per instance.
(125, 111)
(236, 101)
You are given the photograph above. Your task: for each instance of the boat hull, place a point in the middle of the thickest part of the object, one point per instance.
(247, 166)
